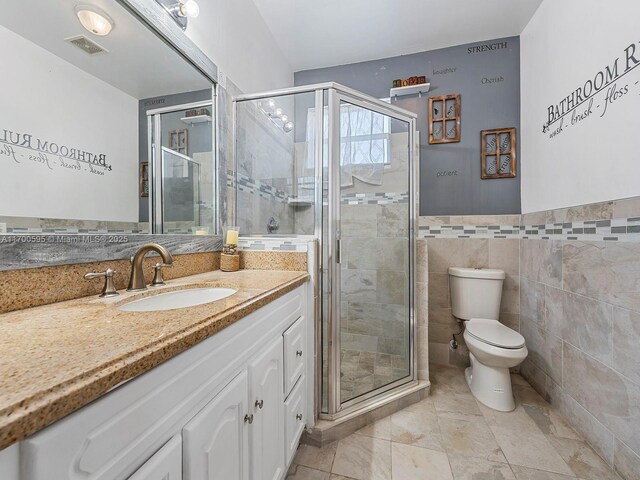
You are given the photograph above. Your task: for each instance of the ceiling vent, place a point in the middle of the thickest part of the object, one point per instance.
(86, 45)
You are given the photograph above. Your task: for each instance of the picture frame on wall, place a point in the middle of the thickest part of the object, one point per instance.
(444, 119)
(144, 179)
(498, 153)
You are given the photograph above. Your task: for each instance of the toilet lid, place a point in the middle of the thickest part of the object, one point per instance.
(494, 333)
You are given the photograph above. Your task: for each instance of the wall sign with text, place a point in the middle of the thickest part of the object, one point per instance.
(24, 148)
(614, 83)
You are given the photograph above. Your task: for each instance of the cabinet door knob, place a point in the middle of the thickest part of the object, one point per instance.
(299, 353)
(299, 416)
(259, 404)
(248, 419)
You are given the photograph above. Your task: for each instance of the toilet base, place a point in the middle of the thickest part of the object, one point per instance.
(490, 385)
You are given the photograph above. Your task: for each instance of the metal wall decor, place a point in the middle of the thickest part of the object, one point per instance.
(498, 153)
(444, 119)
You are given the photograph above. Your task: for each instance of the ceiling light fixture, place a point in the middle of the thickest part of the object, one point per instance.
(94, 20)
(181, 10)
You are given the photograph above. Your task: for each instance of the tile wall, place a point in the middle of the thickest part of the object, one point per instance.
(466, 241)
(573, 292)
(580, 316)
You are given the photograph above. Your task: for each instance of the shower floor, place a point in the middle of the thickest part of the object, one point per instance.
(451, 436)
(362, 372)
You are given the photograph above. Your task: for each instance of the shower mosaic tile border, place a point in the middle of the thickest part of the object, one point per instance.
(381, 198)
(273, 244)
(614, 230)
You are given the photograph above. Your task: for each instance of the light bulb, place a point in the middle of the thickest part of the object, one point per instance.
(278, 113)
(271, 104)
(190, 9)
(94, 20)
(284, 119)
(288, 127)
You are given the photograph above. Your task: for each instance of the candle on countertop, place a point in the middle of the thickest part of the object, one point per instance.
(232, 237)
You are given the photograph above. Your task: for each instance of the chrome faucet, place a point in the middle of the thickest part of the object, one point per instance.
(136, 281)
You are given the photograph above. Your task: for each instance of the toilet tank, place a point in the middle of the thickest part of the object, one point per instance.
(475, 292)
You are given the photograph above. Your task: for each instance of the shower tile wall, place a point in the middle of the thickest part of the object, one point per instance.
(375, 314)
(478, 248)
(581, 321)
(375, 346)
(265, 163)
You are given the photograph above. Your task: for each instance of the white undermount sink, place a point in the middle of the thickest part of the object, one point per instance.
(178, 299)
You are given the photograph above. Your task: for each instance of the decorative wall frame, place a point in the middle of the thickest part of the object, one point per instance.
(444, 119)
(179, 140)
(498, 153)
(144, 179)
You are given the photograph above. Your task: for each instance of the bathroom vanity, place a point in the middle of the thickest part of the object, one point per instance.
(214, 391)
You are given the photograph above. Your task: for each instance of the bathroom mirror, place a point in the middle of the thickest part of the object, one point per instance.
(104, 127)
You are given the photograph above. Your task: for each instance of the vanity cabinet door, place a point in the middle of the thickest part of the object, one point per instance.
(267, 431)
(215, 441)
(294, 346)
(166, 463)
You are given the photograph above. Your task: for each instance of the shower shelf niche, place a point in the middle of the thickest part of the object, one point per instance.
(303, 201)
(197, 119)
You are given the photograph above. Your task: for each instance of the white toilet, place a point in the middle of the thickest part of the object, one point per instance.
(493, 347)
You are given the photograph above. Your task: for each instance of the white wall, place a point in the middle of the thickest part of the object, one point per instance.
(52, 100)
(236, 38)
(567, 43)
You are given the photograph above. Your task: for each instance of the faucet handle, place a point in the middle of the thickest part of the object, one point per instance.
(157, 276)
(109, 289)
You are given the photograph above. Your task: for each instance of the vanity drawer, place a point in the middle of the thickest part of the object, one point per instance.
(294, 354)
(294, 415)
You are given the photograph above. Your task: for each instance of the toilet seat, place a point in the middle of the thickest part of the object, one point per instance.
(494, 333)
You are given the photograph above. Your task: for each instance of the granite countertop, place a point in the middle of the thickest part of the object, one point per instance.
(57, 358)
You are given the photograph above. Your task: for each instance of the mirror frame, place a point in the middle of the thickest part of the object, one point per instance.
(22, 251)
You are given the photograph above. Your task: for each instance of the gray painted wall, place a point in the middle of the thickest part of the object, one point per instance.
(485, 104)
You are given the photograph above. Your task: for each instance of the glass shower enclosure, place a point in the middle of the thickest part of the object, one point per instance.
(329, 163)
(183, 177)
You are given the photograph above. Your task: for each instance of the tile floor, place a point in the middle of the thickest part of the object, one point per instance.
(450, 436)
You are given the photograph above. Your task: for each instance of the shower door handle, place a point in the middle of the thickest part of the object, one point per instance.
(338, 250)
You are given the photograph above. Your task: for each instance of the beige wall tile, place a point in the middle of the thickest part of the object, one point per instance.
(626, 343)
(439, 290)
(608, 271)
(592, 211)
(510, 302)
(627, 208)
(535, 218)
(541, 260)
(545, 350)
(596, 434)
(422, 304)
(626, 462)
(612, 398)
(485, 220)
(532, 301)
(422, 260)
(504, 254)
(459, 252)
(581, 321)
(433, 221)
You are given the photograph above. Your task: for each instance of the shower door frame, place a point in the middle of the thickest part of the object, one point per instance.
(335, 93)
(154, 134)
(336, 407)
